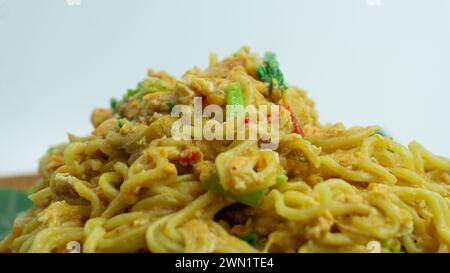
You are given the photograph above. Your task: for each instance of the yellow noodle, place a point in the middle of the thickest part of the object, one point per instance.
(131, 186)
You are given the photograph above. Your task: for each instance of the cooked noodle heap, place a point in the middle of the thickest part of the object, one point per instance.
(130, 186)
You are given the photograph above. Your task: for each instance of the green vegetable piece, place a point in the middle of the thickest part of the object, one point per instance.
(251, 238)
(385, 244)
(214, 184)
(391, 246)
(234, 94)
(270, 72)
(148, 85)
(250, 198)
(235, 97)
(114, 103)
(381, 132)
(51, 149)
(281, 179)
(119, 123)
(151, 85)
(131, 93)
(171, 104)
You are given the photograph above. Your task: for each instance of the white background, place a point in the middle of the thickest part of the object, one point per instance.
(364, 64)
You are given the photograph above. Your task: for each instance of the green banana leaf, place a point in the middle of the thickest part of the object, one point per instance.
(12, 202)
